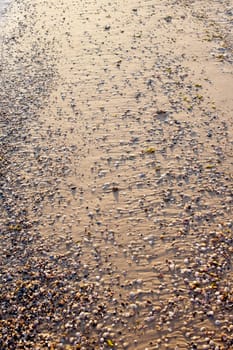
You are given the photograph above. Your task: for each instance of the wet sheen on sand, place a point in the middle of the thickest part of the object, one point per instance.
(116, 132)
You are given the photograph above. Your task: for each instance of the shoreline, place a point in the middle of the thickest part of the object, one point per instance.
(116, 178)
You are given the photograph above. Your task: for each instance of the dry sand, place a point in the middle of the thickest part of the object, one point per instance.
(116, 175)
(3, 6)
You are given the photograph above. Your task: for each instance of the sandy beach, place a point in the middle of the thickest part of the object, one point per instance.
(116, 185)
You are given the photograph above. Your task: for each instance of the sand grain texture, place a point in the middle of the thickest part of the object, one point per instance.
(116, 175)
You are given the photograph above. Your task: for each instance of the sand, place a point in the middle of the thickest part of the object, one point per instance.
(3, 6)
(116, 175)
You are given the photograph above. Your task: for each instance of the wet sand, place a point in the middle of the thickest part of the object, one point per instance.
(116, 175)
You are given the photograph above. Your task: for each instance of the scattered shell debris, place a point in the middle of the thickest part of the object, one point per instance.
(116, 175)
